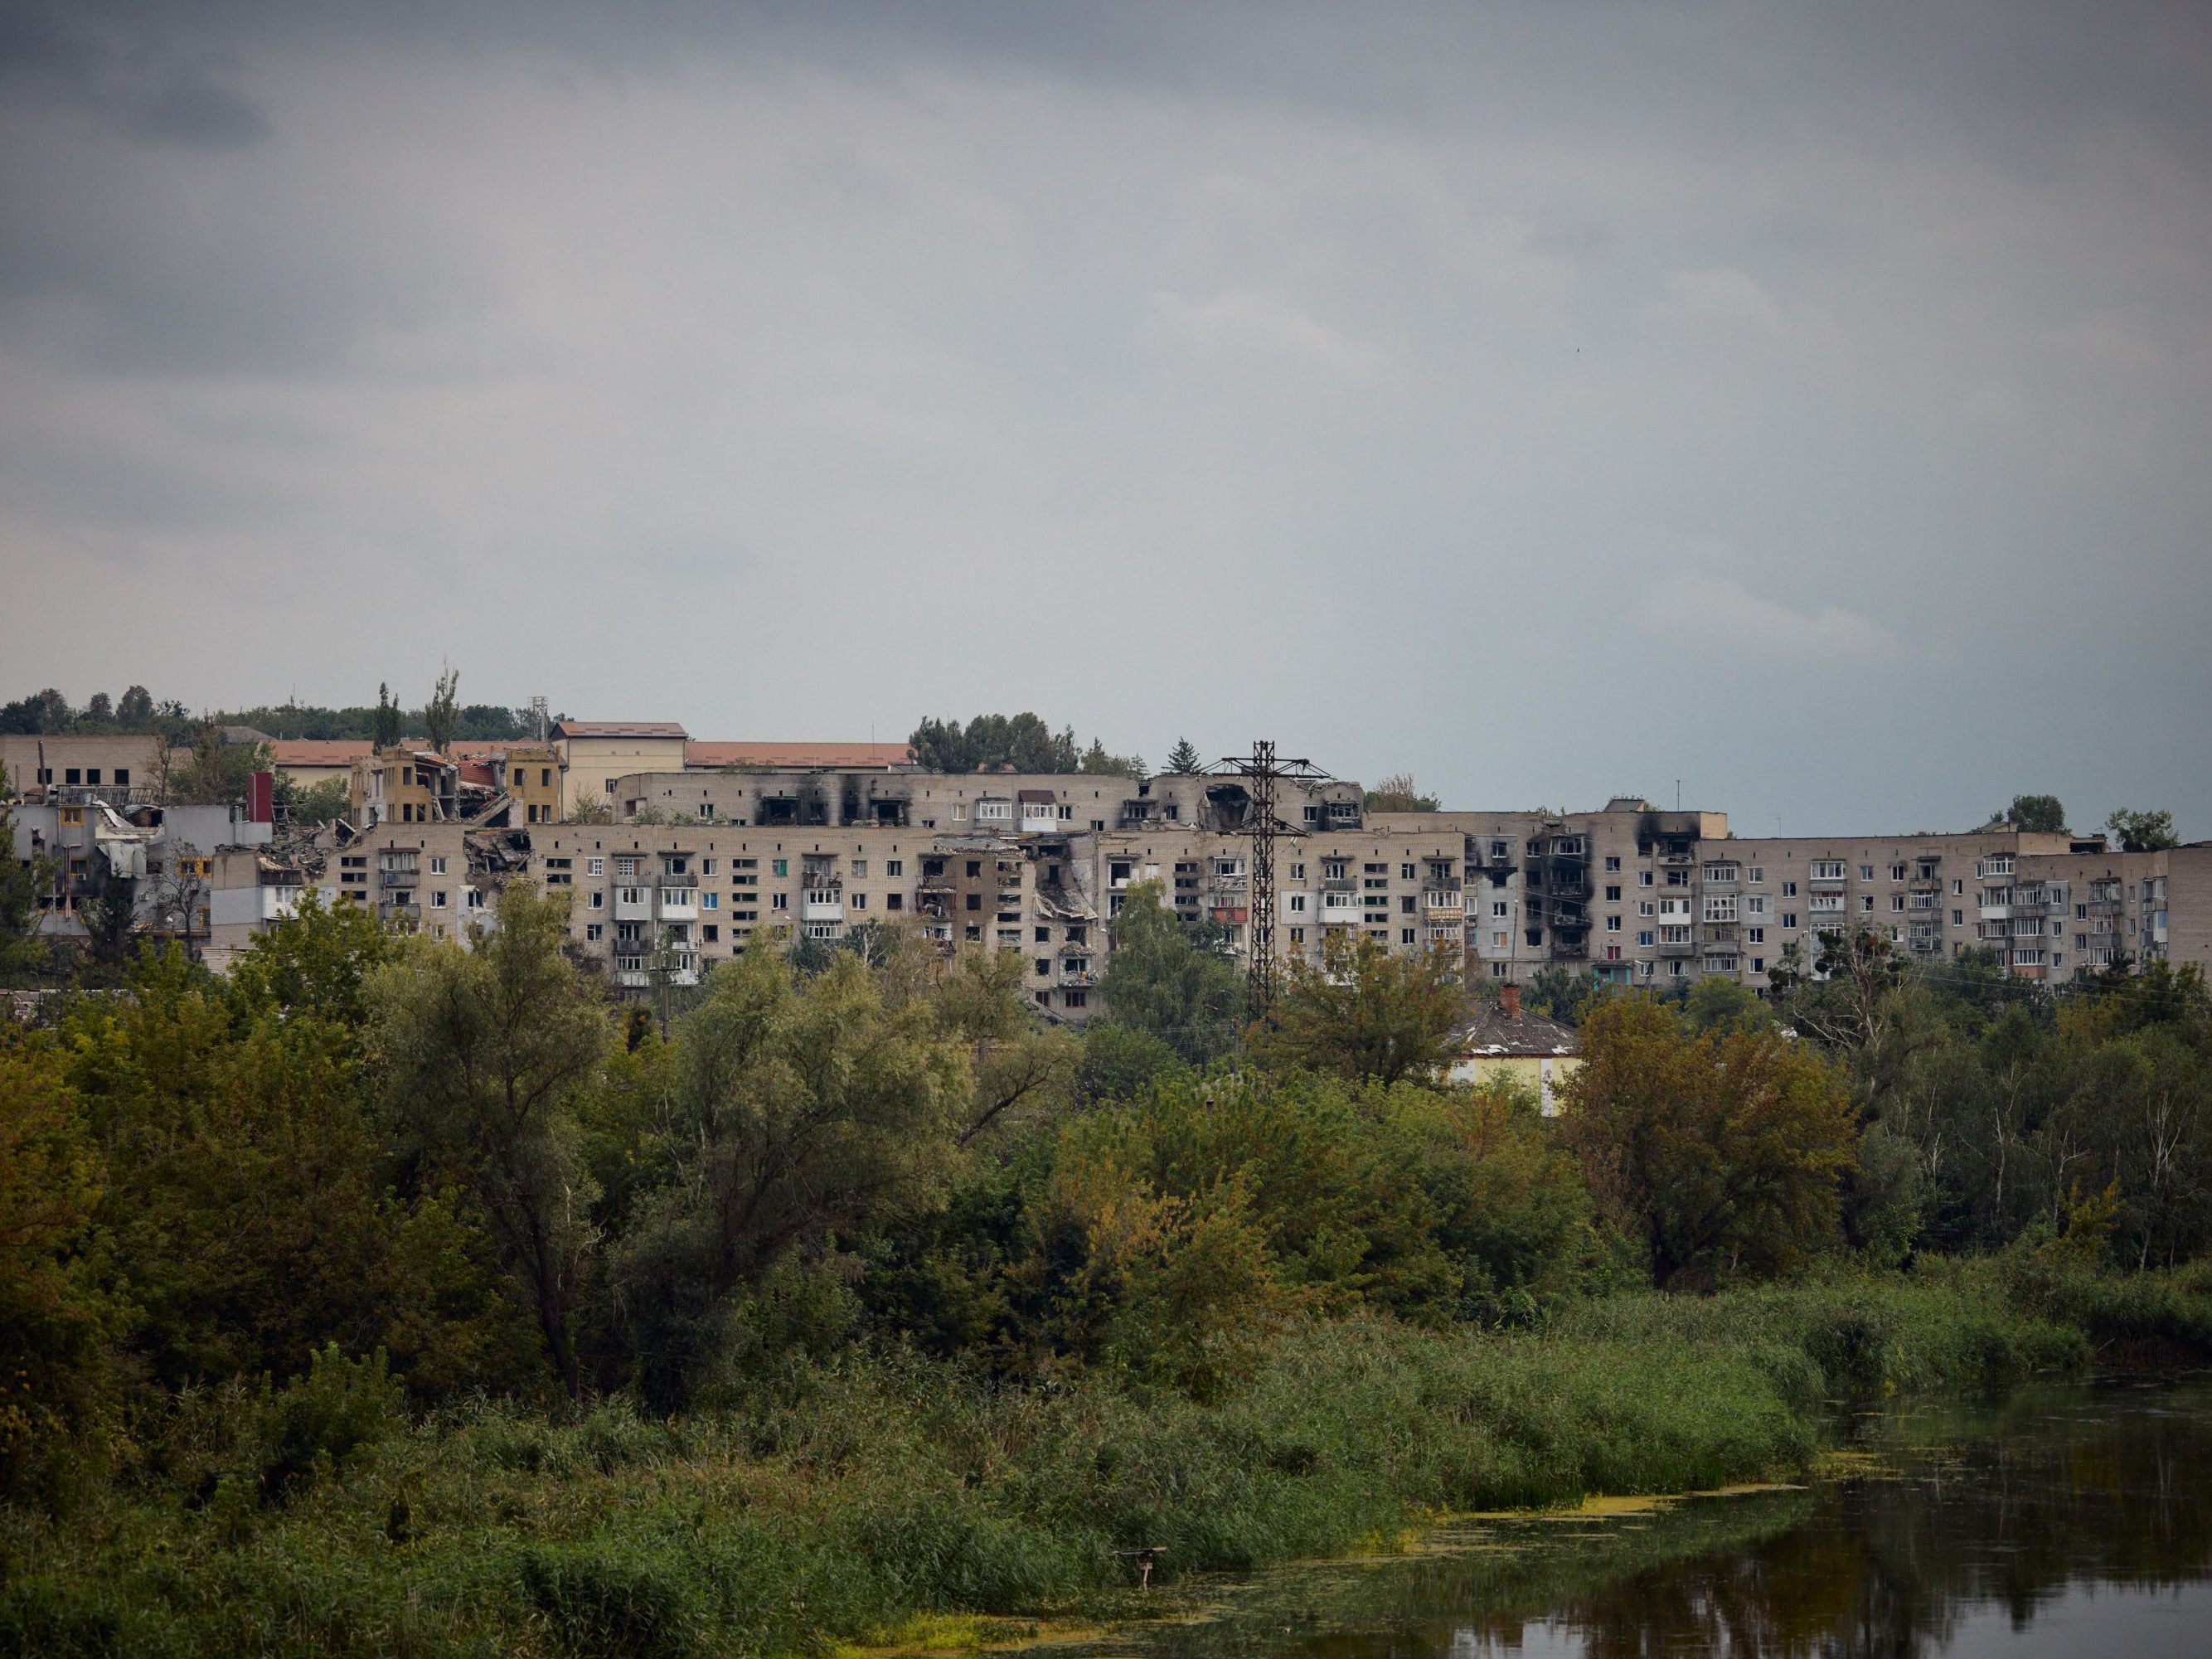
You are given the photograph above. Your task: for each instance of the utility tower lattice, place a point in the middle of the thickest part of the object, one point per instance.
(1262, 770)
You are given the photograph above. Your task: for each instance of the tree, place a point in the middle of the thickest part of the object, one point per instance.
(490, 1050)
(214, 772)
(1397, 794)
(1159, 981)
(1719, 1157)
(800, 1110)
(385, 732)
(108, 914)
(1563, 994)
(1718, 1003)
(99, 709)
(440, 713)
(136, 709)
(2142, 831)
(2038, 813)
(1019, 743)
(1183, 759)
(1097, 762)
(43, 713)
(319, 960)
(23, 883)
(1364, 1013)
(320, 803)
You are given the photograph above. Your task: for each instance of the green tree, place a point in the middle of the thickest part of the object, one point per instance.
(136, 709)
(1183, 759)
(54, 1378)
(23, 883)
(1158, 981)
(490, 1050)
(800, 1108)
(2039, 813)
(385, 733)
(1097, 762)
(318, 960)
(1398, 794)
(214, 772)
(2142, 831)
(1362, 1012)
(1720, 1156)
(108, 914)
(1561, 992)
(442, 712)
(317, 804)
(1717, 1003)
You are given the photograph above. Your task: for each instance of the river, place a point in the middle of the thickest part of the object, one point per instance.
(2065, 1521)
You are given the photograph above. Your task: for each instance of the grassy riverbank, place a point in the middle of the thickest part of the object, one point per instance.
(878, 1490)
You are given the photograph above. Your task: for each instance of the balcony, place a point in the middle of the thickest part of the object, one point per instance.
(399, 876)
(1233, 915)
(679, 903)
(821, 905)
(1825, 881)
(1439, 899)
(633, 904)
(1677, 947)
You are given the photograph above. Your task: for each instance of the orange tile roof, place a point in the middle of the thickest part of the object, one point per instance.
(874, 755)
(318, 751)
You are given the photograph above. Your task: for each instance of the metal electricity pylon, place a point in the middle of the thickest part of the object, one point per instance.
(1262, 770)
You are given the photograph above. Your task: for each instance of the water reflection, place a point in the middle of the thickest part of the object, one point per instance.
(2069, 1522)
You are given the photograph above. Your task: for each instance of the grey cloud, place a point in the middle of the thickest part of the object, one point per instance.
(1551, 400)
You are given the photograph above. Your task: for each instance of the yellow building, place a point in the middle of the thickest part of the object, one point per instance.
(405, 786)
(527, 774)
(598, 753)
(1531, 1050)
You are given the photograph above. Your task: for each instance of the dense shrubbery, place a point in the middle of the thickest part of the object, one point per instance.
(388, 1297)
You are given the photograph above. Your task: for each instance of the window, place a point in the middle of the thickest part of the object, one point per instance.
(1613, 892)
(476, 897)
(1497, 907)
(779, 902)
(594, 932)
(1612, 924)
(779, 867)
(599, 901)
(1406, 905)
(710, 900)
(1789, 890)
(1405, 872)
(1405, 936)
(711, 933)
(1755, 874)
(707, 866)
(1789, 918)
(1759, 965)
(1611, 864)
(1075, 998)
(1043, 967)
(1754, 935)
(1298, 934)
(72, 774)
(1645, 907)
(1866, 873)
(975, 901)
(859, 869)
(1958, 918)
(1298, 873)
(1866, 902)
(121, 777)
(1643, 878)
(1897, 872)
(1897, 900)
(1332, 869)
(437, 899)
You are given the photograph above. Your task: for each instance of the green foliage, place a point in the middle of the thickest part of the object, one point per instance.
(1120, 1063)
(489, 1052)
(384, 725)
(2041, 814)
(1363, 1012)
(214, 772)
(1722, 1156)
(442, 713)
(2141, 831)
(1563, 994)
(1183, 759)
(798, 1108)
(1017, 743)
(318, 803)
(1398, 794)
(1160, 981)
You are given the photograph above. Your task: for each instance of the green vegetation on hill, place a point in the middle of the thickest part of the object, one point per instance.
(390, 1297)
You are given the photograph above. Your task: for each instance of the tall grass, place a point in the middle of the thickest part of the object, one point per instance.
(879, 1489)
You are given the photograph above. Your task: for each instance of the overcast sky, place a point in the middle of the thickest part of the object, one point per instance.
(1813, 404)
